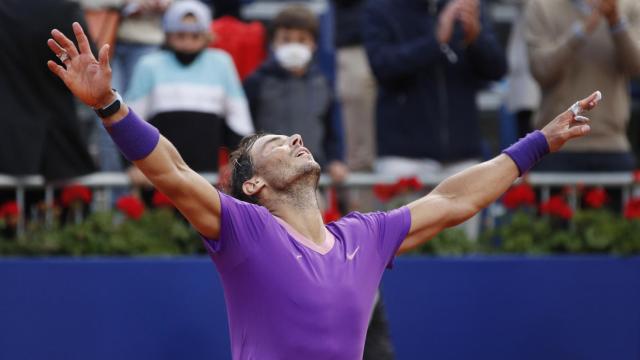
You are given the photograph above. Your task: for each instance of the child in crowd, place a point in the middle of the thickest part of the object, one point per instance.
(192, 94)
(289, 95)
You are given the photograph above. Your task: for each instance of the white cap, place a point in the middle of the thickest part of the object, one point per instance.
(172, 21)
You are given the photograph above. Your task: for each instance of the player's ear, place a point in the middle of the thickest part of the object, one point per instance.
(253, 186)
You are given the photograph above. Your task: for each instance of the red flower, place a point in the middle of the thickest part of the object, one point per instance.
(386, 192)
(73, 193)
(130, 206)
(332, 213)
(408, 184)
(161, 200)
(596, 197)
(556, 206)
(519, 195)
(9, 208)
(632, 209)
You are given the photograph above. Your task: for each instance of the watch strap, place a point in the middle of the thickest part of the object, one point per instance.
(112, 108)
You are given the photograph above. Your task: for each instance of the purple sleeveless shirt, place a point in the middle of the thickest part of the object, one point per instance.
(288, 298)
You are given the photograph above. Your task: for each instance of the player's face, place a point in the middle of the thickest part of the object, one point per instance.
(281, 160)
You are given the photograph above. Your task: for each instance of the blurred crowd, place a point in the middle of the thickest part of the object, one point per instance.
(400, 97)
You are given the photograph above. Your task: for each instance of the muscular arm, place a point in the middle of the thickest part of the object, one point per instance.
(458, 198)
(90, 81)
(463, 195)
(194, 196)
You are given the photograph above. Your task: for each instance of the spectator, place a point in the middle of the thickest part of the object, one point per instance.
(522, 97)
(245, 42)
(288, 94)
(356, 87)
(575, 47)
(430, 58)
(190, 93)
(40, 128)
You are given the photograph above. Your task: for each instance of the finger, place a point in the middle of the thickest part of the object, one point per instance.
(57, 69)
(578, 131)
(103, 57)
(466, 17)
(55, 47)
(582, 119)
(586, 104)
(83, 41)
(64, 41)
(591, 101)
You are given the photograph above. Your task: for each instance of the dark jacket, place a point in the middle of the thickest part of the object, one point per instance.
(284, 104)
(348, 16)
(39, 126)
(426, 103)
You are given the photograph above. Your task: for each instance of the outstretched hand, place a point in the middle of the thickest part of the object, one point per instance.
(570, 124)
(87, 78)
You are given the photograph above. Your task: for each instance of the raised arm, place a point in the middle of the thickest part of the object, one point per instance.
(462, 195)
(90, 81)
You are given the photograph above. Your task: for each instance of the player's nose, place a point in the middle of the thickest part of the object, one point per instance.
(295, 140)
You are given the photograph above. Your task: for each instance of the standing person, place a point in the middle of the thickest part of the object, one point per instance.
(295, 287)
(40, 128)
(289, 94)
(356, 86)
(192, 94)
(430, 59)
(574, 45)
(522, 97)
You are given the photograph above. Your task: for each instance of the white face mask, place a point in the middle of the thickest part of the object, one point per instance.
(293, 56)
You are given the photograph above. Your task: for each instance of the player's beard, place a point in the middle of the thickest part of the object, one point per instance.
(297, 184)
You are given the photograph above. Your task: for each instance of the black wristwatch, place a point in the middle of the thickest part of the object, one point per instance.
(112, 108)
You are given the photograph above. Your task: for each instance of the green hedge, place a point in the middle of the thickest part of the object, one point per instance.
(163, 232)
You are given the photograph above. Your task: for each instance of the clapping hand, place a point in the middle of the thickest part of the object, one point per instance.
(465, 11)
(469, 17)
(609, 9)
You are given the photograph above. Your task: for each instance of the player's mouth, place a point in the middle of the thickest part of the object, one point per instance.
(302, 151)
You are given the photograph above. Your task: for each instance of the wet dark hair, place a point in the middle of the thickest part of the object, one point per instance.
(242, 167)
(297, 17)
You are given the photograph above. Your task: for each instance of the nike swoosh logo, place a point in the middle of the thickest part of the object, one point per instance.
(352, 255)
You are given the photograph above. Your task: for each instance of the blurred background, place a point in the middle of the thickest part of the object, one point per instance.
(391, 96)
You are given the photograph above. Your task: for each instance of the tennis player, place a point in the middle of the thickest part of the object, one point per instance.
(294, 287)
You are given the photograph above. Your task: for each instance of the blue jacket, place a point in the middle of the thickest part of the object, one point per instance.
(426, 102)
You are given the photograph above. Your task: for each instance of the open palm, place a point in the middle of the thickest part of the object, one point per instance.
(87, 78)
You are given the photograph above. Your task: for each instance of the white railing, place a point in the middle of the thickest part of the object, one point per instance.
(103, 185)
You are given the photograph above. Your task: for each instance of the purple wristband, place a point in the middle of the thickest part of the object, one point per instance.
(134, 137)
(528, 151)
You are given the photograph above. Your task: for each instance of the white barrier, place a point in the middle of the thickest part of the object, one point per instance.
(103, 184)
